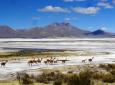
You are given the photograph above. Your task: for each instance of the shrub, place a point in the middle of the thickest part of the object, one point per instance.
(112, 66)
(73, 80)
(97, 76)
(57, 82)
(24, 79)
(49, 77)
(83, 78)
(108, 78)
(107, 67)
(113, 72)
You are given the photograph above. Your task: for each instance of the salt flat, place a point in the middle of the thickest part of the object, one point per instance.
(93, 45)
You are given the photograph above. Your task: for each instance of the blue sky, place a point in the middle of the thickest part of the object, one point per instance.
(85, 14)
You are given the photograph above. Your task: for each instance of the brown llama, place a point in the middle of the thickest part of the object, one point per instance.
(55, 61)
(30, 62)
(39, 60)
(64, 61)
(83, 61)
(46, 62)
(3, 63)
(35, 61)
(52, 60)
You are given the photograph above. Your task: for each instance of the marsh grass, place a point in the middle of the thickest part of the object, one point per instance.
(50, 53)
(24, 79)
(89, 76)
(57, 77)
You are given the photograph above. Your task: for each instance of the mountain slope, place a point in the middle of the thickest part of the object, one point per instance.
(52, 31)
(7, 32)
(63, 30)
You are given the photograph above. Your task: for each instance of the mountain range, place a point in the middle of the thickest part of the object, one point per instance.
(52, 31)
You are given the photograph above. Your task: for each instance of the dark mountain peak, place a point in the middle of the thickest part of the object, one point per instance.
(98, 32)
(101, 33)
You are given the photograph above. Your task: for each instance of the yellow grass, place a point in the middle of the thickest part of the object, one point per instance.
(16, 83)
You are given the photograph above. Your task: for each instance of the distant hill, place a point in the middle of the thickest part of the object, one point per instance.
(101, 33)
(52, 31)
(7, 32)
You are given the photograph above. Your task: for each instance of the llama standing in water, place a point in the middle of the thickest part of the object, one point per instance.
(3, 63)
(30, 62)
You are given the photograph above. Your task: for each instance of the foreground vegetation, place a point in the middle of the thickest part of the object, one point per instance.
(104, 75)
(89, 76)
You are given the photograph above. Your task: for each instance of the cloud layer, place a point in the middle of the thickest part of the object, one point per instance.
(104, 4)
(82, 10)
(88, 10)
(53, 9)
(100, 4)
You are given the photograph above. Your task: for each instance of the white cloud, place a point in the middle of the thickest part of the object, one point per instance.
(104, 28)
(82, 10)
(104, 4)
(88, 10)
(53, 9)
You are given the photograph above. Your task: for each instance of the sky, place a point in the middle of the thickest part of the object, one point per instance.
(85, 14)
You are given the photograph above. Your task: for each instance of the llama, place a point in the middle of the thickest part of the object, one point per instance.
(46, 62)
(91, 59)
(39, 60)
(63, 61)
(30, 62)
(55, 61)
(83, 61)
(3, 63)
(52, 60)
